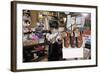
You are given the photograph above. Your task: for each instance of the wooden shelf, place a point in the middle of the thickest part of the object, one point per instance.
(34, 45)
(44, 31)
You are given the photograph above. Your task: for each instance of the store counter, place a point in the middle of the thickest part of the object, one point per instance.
(69, 53)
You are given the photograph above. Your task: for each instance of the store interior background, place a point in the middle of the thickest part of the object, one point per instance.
(42, 27)
(5, 36)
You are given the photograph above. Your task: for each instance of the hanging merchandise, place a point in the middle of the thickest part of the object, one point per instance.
(78, 37)
(67, 40)
(72, 40)
(80, 20)
(80, 41)
(46, 22)
(68, 23)
(72, 20)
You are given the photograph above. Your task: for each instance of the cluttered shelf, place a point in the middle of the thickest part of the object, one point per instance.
(29, 32)
(33, 51)
(32, 43)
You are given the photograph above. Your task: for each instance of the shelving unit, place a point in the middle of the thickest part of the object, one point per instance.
(31, 54)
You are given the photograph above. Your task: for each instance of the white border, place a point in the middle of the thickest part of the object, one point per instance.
(21, 65)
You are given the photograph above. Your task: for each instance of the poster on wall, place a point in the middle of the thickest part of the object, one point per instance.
(48, 36)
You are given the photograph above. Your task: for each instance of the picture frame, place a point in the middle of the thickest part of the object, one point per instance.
(72, 58)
